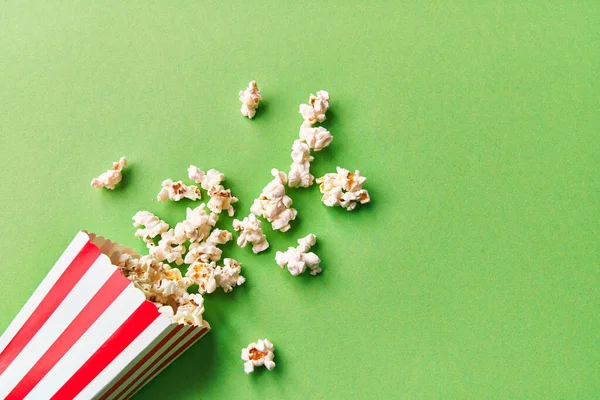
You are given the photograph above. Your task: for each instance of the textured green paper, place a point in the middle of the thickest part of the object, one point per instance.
(474, 273)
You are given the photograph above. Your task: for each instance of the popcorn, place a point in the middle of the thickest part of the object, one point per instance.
(219, 236)
(317, 138)
(153, 226)
(316, 109)
(274, 205)
(258, 354)
(300, 175)
(203, 275)
(212, 178)
(196, 174)
(221, 199)
(177, 190)
(343, 188)
(297, 259)
(228, 276)
(251, 232)
(209, 276)
(165, 287)
(111, 177)
(169, 248)
(208, 250)
(202, 251)
(250, 99)
(196, 226)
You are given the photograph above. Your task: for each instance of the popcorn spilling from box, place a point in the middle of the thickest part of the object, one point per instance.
(258, 354)
(111, 177)
(298, 259)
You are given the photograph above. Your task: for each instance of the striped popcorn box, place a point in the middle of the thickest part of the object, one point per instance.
(87, 332)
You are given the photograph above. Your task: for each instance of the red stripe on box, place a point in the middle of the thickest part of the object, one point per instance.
(137, 322)
(111, 289)
(149, 367)
(183, 348)
(63, 286)
(140, 363)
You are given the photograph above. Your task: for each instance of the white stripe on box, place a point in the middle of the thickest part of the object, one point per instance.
(112, 318)
(152, 370)
(152, 360)
(61, 265)
(128, 357)
(60, 319)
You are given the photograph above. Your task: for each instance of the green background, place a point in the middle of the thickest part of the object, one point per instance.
(474, 272)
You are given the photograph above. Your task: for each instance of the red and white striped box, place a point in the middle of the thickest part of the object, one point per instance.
(87, 332)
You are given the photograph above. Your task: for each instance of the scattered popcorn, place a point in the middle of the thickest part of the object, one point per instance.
(196, 226)
(300, 175)
(202, 251)
(317, 138)
(111, 177)
(212, 178)
(251, 232)
(208, 250)
(221, 199)
(165, 287)
(258, 354)
(169, 248)
(177, 190)
(297, 259)
(250, 99)
(196, 174)
(343, 188)
(203, 275)
(152, 226)
(209, 276)
(316, 109)
(228, 276)
(274, 205)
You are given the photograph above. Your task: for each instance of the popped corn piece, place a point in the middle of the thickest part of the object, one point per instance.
(251, 232)
(196, 174)
(317, 138)
(203, 275)
(169, 248)
(219, 236)
(305, 243)
(316, 108)
(221, 199)
(177, 190)
(202, 251)
(258, 354)
(152, 226)
(250, 99)
(211, 179)
(298, 259)
(343, 188)
(196, 226)
(300, 175)
(191, 312)
(274, 205)
(111, 177)
(228, 276)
